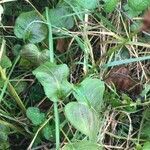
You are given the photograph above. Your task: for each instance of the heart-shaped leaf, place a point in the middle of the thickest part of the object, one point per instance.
(83, 119)
(139, 5)
(54, 80)
(63, 19)
(110, 5)
(35, 115)
(29, 27)
(87, 4)
(90, 91)
(82, 145)
(34, 55)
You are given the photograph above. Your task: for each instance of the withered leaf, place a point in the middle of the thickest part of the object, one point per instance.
(62, 45)
(120, 77)
(146, 21)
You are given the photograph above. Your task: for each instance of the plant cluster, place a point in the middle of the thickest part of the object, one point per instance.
(74, 74)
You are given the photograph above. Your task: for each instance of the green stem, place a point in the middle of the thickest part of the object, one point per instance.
(86, 48)
(56, 113)
(50, 38)
(57, 125)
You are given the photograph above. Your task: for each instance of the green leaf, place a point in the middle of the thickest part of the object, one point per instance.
(25, 64)
(60, 17)
(147, 115)
(5, 62)
(82, 145)
(4, 130)
(35, 115)
(90, 91)
(28, 26)
(83, 119)
(16, 49)
(34, 55)
(47, 132)
(146, 89)
(139, 5)
(36, 92)
(136, 26)
(54, 80)
(146, 146)
(145, 130)
(131, 13)
(19, 86)
(110, 5)
(87, 4)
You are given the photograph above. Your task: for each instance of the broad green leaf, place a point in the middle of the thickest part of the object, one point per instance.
(34, 55)
(3, 133)
(83, 119)
(87, 4)
(82, 145)
(30, 27)
(121, 54)
(34, 114)
(136, 26)
(25, 64)
(145, 132)
(60, 17)
(19, 86)
(54, 80)
(146, 146)
(47, 132)
(90, 91)
(147, 115)
(5, 62)
(36, 92)
(139, 5)
(74, 7)
(146, 89)
(16, 49)
(131, 13)
(110, 5)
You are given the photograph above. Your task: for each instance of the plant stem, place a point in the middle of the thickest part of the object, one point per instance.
(57, 125)
(56, 113)
(86, 49)
(50, 38)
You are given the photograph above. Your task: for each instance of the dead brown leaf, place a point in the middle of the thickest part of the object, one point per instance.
(62, 45)
(120, 77)
(146, 21)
